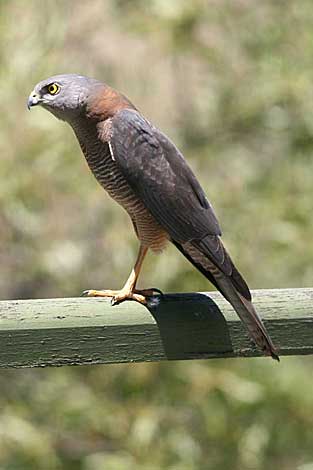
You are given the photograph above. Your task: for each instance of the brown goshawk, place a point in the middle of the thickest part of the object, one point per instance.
(144, 172)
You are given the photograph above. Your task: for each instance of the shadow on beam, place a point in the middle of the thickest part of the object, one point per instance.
(190, 325)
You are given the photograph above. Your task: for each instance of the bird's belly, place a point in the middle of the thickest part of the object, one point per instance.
(149, 232)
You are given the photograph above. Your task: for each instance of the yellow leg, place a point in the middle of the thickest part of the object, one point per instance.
(129, 291)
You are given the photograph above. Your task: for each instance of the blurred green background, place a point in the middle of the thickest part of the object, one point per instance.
(231, 83)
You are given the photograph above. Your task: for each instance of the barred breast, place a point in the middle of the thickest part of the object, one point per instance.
(106, 171)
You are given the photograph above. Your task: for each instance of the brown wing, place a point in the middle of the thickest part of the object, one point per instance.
(161, 177)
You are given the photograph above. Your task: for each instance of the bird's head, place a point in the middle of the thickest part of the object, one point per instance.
(65, 96)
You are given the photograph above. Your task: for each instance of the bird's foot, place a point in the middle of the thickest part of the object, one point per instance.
(119, 296)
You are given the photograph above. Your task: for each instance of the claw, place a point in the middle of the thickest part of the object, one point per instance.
(149, 292)
(85, 293)
(158, 291)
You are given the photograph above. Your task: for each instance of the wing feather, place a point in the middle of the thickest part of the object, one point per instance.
(160, 176)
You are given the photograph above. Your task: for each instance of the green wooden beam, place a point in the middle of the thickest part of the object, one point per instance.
(72, 331)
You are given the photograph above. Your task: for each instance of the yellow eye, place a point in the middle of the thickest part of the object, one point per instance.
(53, 89)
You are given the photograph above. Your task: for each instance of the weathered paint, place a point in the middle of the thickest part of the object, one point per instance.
(73, 331)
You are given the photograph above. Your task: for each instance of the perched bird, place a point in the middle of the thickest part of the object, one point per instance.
(145, 173)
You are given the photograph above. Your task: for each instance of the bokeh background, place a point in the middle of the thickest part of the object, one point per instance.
(231, 83)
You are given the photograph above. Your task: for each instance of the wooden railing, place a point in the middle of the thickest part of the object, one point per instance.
(73, 331)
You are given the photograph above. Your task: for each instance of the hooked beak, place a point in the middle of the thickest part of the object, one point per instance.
(33, 100)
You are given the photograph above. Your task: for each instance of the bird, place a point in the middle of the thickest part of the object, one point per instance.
(144, 172)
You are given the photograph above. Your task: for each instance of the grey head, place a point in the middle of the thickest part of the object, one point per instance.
(65, 96)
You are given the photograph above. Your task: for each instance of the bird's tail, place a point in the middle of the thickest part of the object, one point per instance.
(229, 285)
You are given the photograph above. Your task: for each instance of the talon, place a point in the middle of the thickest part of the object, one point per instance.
(84, 293)
(155, 289)
(89, 293)
(149, 292)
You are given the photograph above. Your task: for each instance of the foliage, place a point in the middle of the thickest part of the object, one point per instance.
(231, 83)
